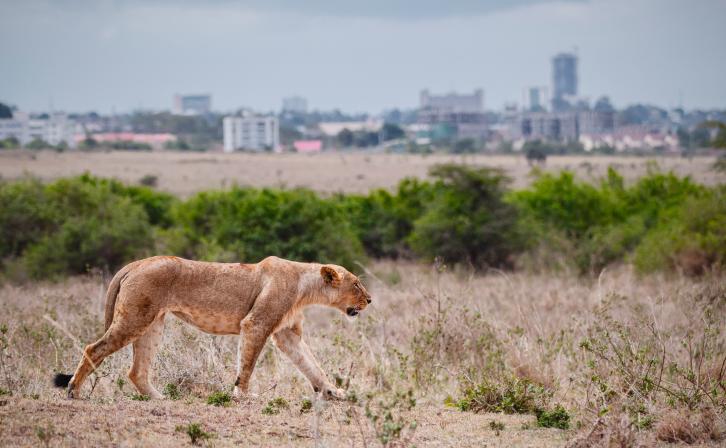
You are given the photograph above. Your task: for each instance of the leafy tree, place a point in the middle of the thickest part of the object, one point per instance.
(719, 141)
(38, 143)
(10, 142)
(345, 138)
(468, 220)
(392, 131)
(5, 111)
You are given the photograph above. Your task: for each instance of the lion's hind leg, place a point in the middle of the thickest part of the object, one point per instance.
(121, 333)
(145, 349)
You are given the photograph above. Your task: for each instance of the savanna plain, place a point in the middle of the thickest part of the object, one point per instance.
(543, 355)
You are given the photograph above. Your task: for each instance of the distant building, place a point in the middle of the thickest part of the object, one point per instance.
(629, 138)
(308, 146)
(453, 115)
(251, 132)
(564, 80)
(295, 104)
(154, 140)
(54, 128)
(548, 126)
(333, 128)
(536, 98)
(192, 104)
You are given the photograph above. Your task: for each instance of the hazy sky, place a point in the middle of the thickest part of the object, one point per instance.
(366, 55)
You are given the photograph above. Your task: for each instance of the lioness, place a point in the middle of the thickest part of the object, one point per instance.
(253, 301)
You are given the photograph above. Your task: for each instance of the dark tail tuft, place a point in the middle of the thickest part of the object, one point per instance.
(62, 380)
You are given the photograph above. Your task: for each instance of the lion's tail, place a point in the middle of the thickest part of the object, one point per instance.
(113, 289)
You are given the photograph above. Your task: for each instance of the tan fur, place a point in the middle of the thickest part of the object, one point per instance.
(253, 301)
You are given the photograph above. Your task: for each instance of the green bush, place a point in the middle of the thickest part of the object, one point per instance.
(558, 418)
(468, 219)
(383, 221)
(691, 238)
(568, 205)
(275, 405)
(157, 205)
(604, 223)
(251, 224)
(219, 399)
(90, 227)
(25, 216)
(510, 396)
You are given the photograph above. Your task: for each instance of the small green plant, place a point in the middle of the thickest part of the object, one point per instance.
(219, 399)
(496, 426)
(306, 406)
(195, 432)
(140, 397)
(511, 396)
(388, 419)
(275, 405)
(45, 434)
(120, 383)
(171, 391)
(555, 418)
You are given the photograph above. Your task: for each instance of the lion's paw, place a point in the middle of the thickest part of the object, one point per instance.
(332, 393)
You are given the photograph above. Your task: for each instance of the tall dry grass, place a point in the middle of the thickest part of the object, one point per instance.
(633, 360)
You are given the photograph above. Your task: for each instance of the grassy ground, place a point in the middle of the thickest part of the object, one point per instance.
(634, 361)
(186, 173)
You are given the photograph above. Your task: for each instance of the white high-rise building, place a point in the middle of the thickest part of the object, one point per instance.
(55, 129)
(251, 132)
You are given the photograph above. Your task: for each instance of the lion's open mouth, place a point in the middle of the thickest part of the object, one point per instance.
(351, 311)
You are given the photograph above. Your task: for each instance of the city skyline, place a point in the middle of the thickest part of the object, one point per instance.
(77, 55)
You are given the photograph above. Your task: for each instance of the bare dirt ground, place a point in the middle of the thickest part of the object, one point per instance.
(429, 331)
(187, 173)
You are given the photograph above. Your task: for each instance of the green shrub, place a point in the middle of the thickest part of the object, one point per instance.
(252, 224)
(140, 397)
(468, 220)
(171, 391)
(567, 205)
(306, 406)
(691, 238)
(556, 418)
(383, 221)
(219, 399)
(510, 396)
(157, 205)
(195, 432)
(25, 216)
(91, 227)
(275, 405)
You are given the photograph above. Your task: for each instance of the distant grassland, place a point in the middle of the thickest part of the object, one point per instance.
(184, 174)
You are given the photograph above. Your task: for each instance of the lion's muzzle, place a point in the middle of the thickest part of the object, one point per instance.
(351, 311)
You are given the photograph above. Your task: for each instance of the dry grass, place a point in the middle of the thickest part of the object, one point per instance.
(429, 331)
(186, 173)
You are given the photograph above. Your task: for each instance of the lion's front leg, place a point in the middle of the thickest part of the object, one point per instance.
(252, 340)
(290, 342)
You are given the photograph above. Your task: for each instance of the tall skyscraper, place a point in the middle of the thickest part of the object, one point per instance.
(564, 78)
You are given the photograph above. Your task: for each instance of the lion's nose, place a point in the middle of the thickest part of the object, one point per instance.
(368, 299)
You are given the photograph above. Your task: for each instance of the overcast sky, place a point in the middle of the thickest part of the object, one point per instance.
(367, 55)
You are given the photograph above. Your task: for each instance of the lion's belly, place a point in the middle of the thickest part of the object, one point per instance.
(211, 323)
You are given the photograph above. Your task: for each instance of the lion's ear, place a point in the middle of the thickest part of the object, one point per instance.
(330, 276)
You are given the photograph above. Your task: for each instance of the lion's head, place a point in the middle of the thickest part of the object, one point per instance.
(348, 293)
